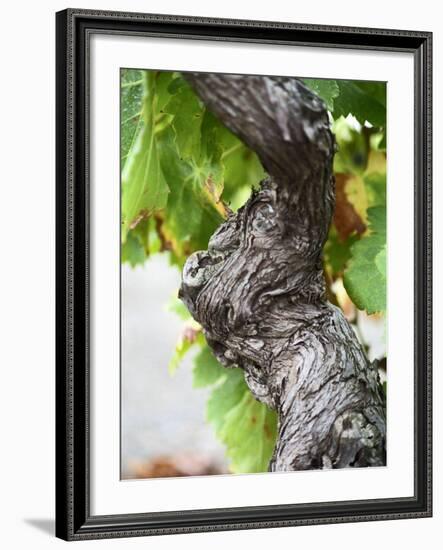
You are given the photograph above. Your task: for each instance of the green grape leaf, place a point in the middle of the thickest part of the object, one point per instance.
(337, 253)
(249, 433)
(191, 215)
(380, 262)
(375, 89)
(355, 99)
(327, 90)
(181, 349)
(175, 305)
(140, 243)
(187, 110)
(144, 187)
(224, 397)
(375, 183)
(184, 213)
(210, 166)
(194, 208)
(190, 337)
(133, 252)
(130, 109)
(177, 83)
(365, 277)
(176, 165)
(243, 170)
(247, 427)
(163, 81)
(207, 370)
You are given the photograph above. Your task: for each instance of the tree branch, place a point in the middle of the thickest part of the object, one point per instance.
(259, 290)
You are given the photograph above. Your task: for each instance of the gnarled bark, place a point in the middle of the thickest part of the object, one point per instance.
(259, 291)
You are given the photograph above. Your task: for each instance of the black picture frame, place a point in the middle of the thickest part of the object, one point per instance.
(74, 521)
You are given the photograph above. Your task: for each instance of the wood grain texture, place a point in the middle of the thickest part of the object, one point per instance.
(259, 290)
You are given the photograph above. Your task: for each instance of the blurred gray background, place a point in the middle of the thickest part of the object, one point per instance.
(163, 427)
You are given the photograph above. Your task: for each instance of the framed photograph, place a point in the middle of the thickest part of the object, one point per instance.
(243, 274)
